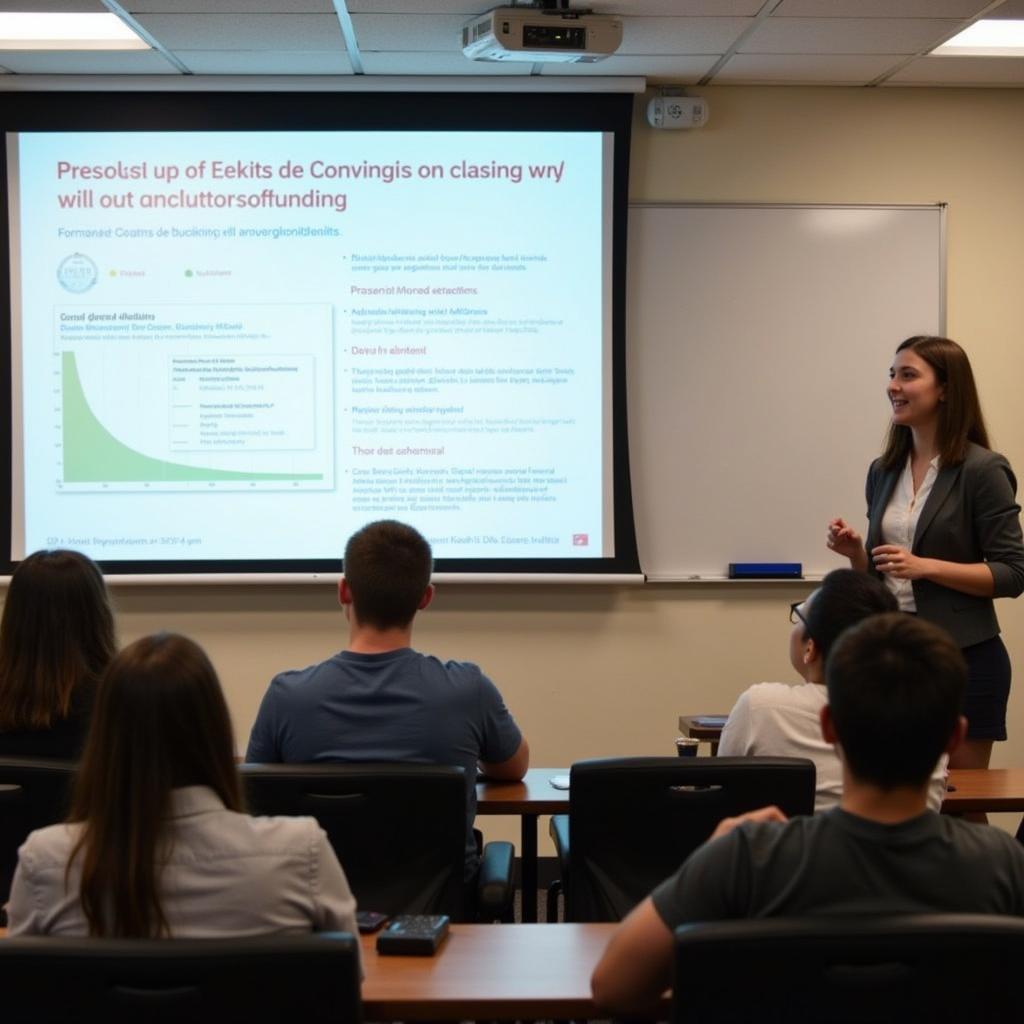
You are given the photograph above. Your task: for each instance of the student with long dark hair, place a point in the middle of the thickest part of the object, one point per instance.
(56, 638)
(157, 843)
(944, 524)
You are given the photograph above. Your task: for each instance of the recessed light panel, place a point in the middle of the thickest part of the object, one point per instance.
(25, 31)
(989, 37)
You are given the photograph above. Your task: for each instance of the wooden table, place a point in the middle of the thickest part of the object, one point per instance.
(985, 789)
(529, 799)
(489, 972)
(972, 789)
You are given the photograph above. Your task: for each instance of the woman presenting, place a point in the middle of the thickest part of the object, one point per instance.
(944, 524)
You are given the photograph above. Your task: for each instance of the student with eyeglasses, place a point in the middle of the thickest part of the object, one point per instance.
(782, 720)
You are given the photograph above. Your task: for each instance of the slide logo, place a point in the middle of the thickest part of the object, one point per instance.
(76, 273)
(580, 540)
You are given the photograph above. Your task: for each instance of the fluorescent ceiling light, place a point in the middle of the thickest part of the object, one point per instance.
(24, 31)
(990, 37)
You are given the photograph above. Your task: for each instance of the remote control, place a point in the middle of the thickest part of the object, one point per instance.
(413, 935)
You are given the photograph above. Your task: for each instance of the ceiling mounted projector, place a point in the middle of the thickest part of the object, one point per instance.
(535, 34)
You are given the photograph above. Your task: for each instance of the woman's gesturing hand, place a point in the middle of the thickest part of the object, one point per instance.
(898, 562)
(843, 539)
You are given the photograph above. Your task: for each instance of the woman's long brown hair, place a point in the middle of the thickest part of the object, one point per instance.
(56, 635)
(160, 722)
(960, 420)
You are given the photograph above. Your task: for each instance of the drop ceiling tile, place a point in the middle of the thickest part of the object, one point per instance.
(409, 33)
(1010, 9)
(464, 8)
(392, 63)
(680, 70)
(265, 62)
(285, 7)
(879, 8)
(691, 36)
(803, 69)
(847, 35)
(249, 32)
(625, 8)
(679, 8)
(961, 71)
(57, 6)
(87, 62)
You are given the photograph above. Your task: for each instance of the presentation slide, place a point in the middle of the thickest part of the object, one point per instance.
(245, 345)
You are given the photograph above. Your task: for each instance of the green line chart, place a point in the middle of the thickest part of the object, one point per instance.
(93, 455)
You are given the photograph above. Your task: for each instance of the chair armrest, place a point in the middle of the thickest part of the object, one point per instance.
(559, 832)
(495, 888)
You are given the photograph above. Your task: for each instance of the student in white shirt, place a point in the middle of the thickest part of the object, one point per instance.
(157, 844)
(779, 720)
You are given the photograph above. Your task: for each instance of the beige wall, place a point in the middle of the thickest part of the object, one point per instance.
(605, 671)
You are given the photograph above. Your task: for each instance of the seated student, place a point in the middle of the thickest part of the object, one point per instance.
(56, 638)
(895, 689)
(780, 720)
(156, 844)
(379, 700)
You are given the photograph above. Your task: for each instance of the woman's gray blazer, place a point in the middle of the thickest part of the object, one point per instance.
(971, 515)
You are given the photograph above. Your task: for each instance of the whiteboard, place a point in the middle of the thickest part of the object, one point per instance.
(759, 339)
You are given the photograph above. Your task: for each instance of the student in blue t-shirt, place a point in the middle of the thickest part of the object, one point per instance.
(379, 700)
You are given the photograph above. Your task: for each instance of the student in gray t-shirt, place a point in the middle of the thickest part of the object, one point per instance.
(895, 689)
(379, 700)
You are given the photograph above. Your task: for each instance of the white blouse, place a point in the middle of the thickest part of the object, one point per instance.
(899, 523)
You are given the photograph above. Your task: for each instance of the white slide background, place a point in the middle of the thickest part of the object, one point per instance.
(244, 346)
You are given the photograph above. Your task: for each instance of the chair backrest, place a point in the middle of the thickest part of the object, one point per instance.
(33, 793)
(399, 830)
(308, 978)
(929, 967)
(633, 821)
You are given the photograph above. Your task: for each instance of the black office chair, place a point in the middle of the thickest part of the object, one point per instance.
(632, 821)
(930, 967)
(399, 831)
(33, 793)
(308, 978)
